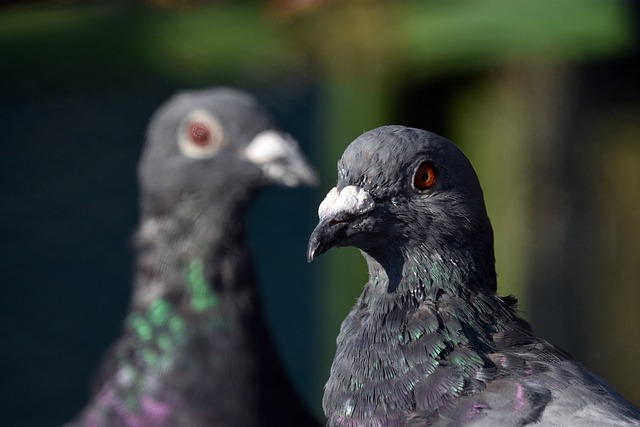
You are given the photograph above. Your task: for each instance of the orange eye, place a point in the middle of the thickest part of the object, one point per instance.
(425, 176)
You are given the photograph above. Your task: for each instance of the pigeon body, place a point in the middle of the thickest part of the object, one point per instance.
(195, 350)
(429, 342)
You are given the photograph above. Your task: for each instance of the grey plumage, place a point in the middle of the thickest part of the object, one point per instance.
(429, 342)
(195, 350)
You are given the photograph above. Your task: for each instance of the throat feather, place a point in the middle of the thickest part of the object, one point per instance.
(435, 325)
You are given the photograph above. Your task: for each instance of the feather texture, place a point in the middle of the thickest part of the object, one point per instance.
(429, 342)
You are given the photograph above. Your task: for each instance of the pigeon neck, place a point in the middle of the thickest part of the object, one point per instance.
(176, 253)
(419, 308)
(188, 311)
(424, 274)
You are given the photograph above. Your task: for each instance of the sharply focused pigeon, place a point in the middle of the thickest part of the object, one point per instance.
(195, 350)
(429, 342)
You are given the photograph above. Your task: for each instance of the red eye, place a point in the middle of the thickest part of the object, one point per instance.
(425, 176)
(200, 134)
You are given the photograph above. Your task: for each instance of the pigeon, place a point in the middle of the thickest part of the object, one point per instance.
(194, 349)
(429, 342)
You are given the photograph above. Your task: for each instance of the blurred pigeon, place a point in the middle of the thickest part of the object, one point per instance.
(195, 350)
(429, 342)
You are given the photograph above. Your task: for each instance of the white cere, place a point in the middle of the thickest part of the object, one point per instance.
(268, 146)
(351, 201)
(279, 157)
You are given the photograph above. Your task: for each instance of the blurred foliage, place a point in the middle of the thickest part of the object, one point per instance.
(192, 45)
(364, 56)
(443, 36)
(338, 38)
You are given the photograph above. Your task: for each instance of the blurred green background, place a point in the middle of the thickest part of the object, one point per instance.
(543, 96)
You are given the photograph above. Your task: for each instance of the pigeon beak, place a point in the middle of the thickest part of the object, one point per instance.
(323, 238)
(281, 160)
(336, 212)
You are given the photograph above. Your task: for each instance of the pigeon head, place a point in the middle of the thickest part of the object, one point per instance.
(215, 142)
(399, 190)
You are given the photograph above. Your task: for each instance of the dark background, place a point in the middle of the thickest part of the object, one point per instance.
(543, 97)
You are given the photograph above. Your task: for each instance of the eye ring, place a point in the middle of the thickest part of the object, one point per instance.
(425, 176)
(200, 135)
